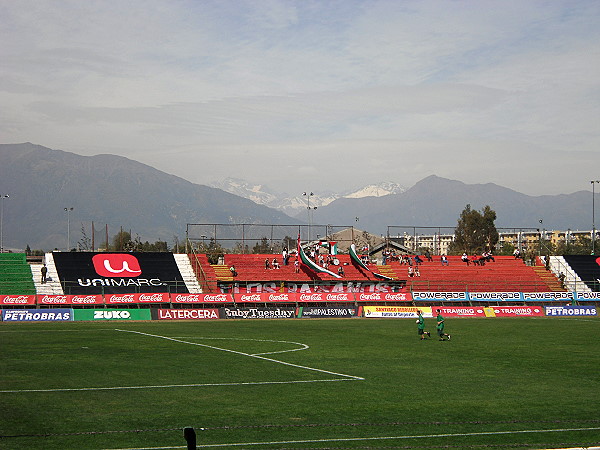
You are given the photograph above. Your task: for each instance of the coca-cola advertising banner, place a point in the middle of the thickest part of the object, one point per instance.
(383, 297)
(17, 300)
(514, 311)
(114, 273)
(92, 299)
(119, 299)
(257, 313)
(201, 298)
(185, 314)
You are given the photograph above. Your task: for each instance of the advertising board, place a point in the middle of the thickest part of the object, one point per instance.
(571, 311)
(440, 296)
(326, 312)
(398, 312)
(111, 314)
(588, 296)
(185, 314)
(17, 300)
(154, 297)
(365, 297)
(93, 299)
(37, 315)
(201, 298)
(257, 313)
(514, 311)
(495, 296)
(460, 311)
(114, 273)
(548, 296)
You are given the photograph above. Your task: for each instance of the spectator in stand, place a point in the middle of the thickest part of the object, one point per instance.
(444, 260)
(297, 266)
(233, 271)
(547, 262)
(267, 264)
(561, 278)
(417, 273)
(418, 260)
(44, 273)
(465, 258)
(275, 263)
(517, 253)
(428, 256)
(341, 271)
(285, 256)
(411, 272)
(475, 260)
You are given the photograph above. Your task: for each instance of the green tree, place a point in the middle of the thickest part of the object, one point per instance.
(475, 231)
(121, 242)
(262, 247)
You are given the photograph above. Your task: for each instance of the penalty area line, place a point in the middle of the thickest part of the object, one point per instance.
(380, 438)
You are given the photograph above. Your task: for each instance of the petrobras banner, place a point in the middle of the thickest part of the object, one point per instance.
(111, 314)
(460, 311)
(548, 296)
(572, 311)
(398, 312)
(37, 315)
(154, 297)
(201, 298)
(91, 299)
(496, 296)
(257, 313)
(513, 311)
(440, 296)
(587, 296)
(185, 314)
(326, 312)
(362, 297)
(17, 300)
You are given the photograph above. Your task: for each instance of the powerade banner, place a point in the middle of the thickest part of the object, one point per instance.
(495, 296)
(17, 300)
(37, 315)
(257, 313)
(588, 296)
(587, 268)
(116, 273)
(112, 314)
(325, 311)
(548, 296)
(398, 312)
(443, 296)
(185, 314)
(575, 311)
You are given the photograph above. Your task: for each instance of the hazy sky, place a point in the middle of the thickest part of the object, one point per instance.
(312, 95)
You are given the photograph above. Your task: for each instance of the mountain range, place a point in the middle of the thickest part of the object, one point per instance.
(117, 192)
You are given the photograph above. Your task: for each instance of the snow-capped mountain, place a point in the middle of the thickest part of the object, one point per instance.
(293, 205)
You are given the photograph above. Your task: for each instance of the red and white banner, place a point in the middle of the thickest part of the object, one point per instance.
(383, 297)
(517, 311)
(16, 300)
(150, 297)
(459, 311)
(269, 297)
(201, 298)
(188, 314)
(69, 299)
(320, 297)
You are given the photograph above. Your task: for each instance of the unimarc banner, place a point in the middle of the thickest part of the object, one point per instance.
(111, 314)
(306, 312)
(37, 315)
(571, 311)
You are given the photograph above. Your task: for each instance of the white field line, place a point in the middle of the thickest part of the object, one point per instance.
(379, 438)
(257, 356)
(300, 345)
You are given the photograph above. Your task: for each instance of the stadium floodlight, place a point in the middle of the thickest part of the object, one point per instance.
(68, 210)
(2, 197)
(594, 215)
(309, 210)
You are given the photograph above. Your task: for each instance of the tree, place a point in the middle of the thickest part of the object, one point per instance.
(475, 231)
(121, 241)
(85, 243)
(262, 247)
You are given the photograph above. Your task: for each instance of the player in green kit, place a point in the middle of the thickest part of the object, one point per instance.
(421, 326)
(440, 326)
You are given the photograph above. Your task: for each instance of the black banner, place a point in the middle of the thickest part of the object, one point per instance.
(326, 311)
(257, 313)
(117, 273)
(587, 268)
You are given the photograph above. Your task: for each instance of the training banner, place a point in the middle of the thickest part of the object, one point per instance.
(513, 311)
(587, 296)
(16, 300)
(548, 296)
(69, 299)
(201, 298)
(114, 273)
(111, 314)
(399, 312)
(117, 299)
(325, 312)
(37, 315)
(257, 313)
(460, 311)
(571, 311)
(363, 297)
(440, 296)
(495, 296)
(185, 314)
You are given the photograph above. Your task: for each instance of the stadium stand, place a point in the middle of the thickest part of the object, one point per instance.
(15, 274)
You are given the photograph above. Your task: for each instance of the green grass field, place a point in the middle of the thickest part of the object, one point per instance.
(306, 383)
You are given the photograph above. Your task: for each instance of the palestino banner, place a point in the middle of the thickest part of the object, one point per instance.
(325, 312)
(513, 311)
(398, 312)
(37, 315)
(17, 300)
(185, 314)
(111, 314)
(440, 296)
(460, 311)
(115, 273)
(571, 311)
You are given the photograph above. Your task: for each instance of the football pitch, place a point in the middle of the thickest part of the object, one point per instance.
(303, 383)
